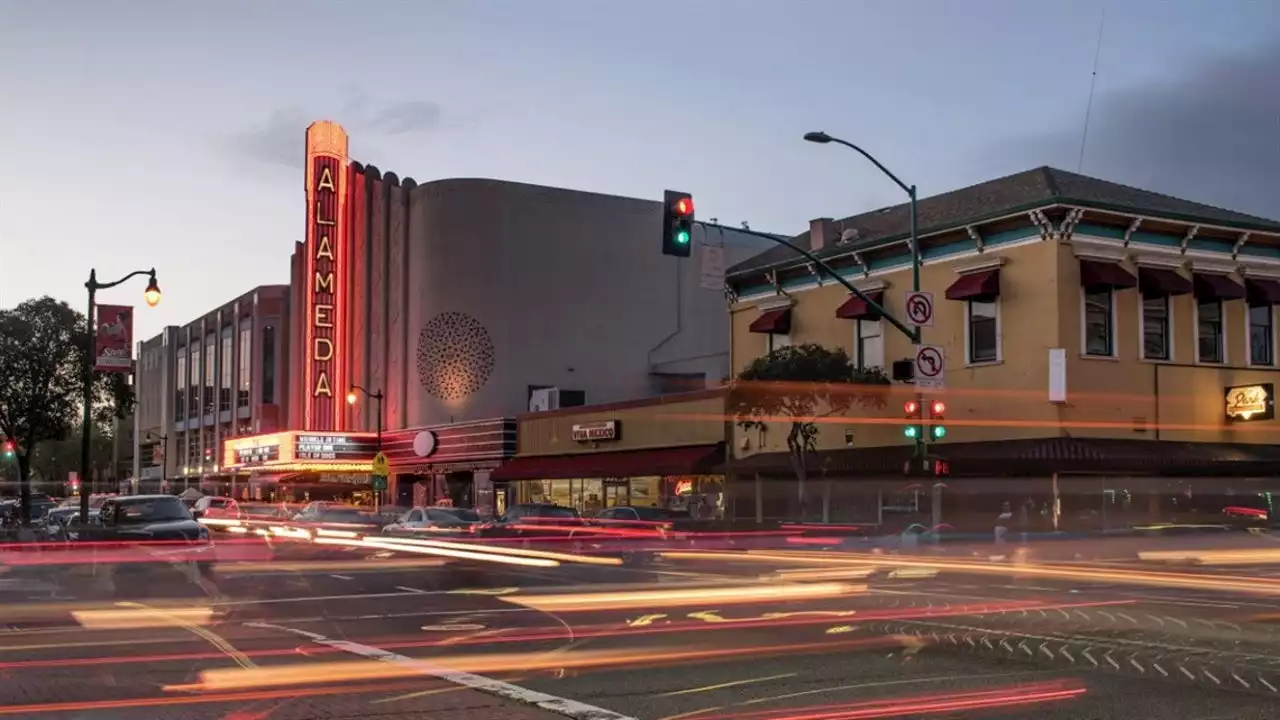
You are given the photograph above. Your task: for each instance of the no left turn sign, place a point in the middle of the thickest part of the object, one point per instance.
(931, 367)
(920, 308)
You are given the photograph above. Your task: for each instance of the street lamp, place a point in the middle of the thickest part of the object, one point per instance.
(152, 297)
(376, 395)
(822, 138)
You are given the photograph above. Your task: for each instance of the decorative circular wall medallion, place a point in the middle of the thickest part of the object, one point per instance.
(455, 356)
(424, 443)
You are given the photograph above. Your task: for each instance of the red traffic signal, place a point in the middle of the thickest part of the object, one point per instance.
(9, 448)
(684, 206)
(911, 408)
(937, 408)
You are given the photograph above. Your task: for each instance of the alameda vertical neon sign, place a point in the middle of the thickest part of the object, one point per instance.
(326, 185)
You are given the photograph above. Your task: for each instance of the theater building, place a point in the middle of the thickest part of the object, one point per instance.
(1109, 356)
(463, 303)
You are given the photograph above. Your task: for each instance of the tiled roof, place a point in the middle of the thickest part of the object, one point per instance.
(1042, 456)
(1003, 196)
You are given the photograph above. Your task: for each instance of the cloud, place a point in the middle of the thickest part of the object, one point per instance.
(1212, 135)
(279, 139)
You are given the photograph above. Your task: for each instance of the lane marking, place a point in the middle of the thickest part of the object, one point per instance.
(416, 591)
(550, 703)
(721, 686)
(340, 577)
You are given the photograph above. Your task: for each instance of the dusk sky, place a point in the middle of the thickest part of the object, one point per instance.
(140, 133)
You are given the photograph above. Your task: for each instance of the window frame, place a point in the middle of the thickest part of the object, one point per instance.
(771, 344)
(1112, 338)
(1169, 327)
(1222, 331)
(968, 333)
(1248, 335)
(859, 359)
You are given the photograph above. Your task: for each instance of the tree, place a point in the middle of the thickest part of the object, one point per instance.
(803, 384)
(42, 351)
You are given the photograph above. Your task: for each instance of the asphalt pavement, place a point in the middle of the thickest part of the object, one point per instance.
(350, 633)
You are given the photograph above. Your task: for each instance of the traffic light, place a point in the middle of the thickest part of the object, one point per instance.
(911, 409)
(9, 449)
(937, 413)
(677, 224)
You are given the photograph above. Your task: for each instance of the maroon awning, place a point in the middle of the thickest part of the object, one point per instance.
(1096, 275)
(855, 308)
(772, 322)
(692, 460)
(985, 284)
(1212, 286)
(1262, 291)
(1154, 282)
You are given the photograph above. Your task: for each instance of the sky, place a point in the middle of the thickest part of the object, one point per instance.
(141, 133)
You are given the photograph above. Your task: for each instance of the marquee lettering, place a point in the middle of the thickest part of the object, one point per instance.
(322, 350)
(322, 385)
(324, 316)
(326, 181)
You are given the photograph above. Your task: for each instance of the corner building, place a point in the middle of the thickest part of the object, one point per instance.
(1110, 359)
(465, 302)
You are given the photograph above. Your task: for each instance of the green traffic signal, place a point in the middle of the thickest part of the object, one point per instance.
(682, 237)
(939, 431)
(911, 431)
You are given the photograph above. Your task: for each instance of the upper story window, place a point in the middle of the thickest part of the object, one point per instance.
(868, 344)
(1157, 341)
(984, 330)
(980, 292)
(1262, 338)
(224, 385)
(268, 365)
(180, 401)
(193, 388)
(1099, 322)
(775, 325)
(245, 366)
(1209, 329)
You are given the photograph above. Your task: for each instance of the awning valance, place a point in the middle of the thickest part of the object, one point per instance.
(980, 285)
(1098, 275)
(855, 308)
(772, 322)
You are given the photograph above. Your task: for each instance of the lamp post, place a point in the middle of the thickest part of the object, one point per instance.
(376, 395)
(822, 139)
(152, 296)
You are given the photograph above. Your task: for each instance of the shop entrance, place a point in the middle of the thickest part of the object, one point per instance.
(616, 493)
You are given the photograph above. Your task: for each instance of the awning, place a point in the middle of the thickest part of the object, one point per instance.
(1039, 457)
(1156, 282)
(772, 322)
(975, 286)
(692, 460)
(855, 308)
(1096, 275)
(1211, 286)
(1262, 291)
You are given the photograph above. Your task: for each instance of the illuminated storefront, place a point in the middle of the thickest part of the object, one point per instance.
(630, 453)
(297, 466)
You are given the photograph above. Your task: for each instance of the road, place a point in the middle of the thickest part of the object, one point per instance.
(358, 634)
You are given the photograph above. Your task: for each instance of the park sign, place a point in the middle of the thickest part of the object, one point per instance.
(113, 339)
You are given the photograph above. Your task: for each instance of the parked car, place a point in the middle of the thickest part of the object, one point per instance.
(421, 520)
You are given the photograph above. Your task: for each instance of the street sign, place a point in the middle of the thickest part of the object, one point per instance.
(931, 370)
(920, 308)
(380, 466)
(379, 482)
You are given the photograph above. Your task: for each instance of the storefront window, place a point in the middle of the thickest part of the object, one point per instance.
(590, 496)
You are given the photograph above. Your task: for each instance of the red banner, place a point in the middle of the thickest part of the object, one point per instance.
(113, 340)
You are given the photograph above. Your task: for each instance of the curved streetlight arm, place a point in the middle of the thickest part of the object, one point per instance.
(375, 395)
(93, 283)
(908, 189)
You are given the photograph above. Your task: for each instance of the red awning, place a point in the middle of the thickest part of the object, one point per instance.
(1262, 291)
(855, 308)
(972, 286)
(1095, 275)
(1155, 282)
(693, 460)
(772, 322)
(1211, 286)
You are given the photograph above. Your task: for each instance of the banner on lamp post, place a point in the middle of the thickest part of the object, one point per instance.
(113, 339)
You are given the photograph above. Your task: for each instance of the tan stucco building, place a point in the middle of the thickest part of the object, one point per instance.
(1094, 336)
